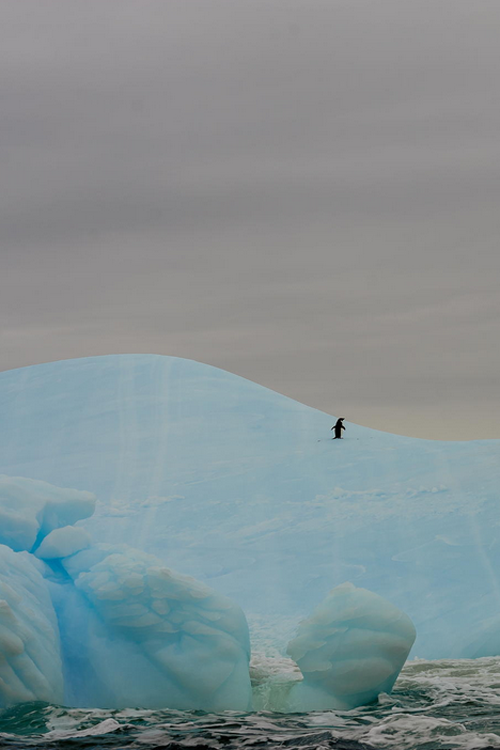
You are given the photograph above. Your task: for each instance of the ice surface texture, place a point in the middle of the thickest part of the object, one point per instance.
(29, 510)
(62, 543)
(159, 638)
(134, 633)
(30, 661)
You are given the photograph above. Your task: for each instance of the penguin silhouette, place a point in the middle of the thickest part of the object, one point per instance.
(338, 427)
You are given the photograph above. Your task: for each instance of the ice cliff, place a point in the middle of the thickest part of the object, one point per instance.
(177, 466)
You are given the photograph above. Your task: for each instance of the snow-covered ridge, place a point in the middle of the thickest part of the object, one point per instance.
(243, 489)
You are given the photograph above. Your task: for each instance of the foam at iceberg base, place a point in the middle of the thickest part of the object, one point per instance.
(111, 626)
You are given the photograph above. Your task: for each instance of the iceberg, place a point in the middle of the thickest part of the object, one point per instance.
(172, 465)
(350, 650)
(156, 638)
(135, 633)
(30, 657)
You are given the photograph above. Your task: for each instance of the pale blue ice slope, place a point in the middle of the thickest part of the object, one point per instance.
(242, 488)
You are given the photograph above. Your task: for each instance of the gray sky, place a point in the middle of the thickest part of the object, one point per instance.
(303, 192)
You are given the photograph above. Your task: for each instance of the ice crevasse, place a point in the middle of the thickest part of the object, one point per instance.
(177, 466)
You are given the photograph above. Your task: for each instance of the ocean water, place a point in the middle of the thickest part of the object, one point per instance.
(435, 705)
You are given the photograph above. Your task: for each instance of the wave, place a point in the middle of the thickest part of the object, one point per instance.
(436, 705)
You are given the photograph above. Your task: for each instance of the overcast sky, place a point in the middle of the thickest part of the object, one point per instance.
(303, 192)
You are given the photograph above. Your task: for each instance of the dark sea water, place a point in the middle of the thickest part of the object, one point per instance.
(435, 705)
